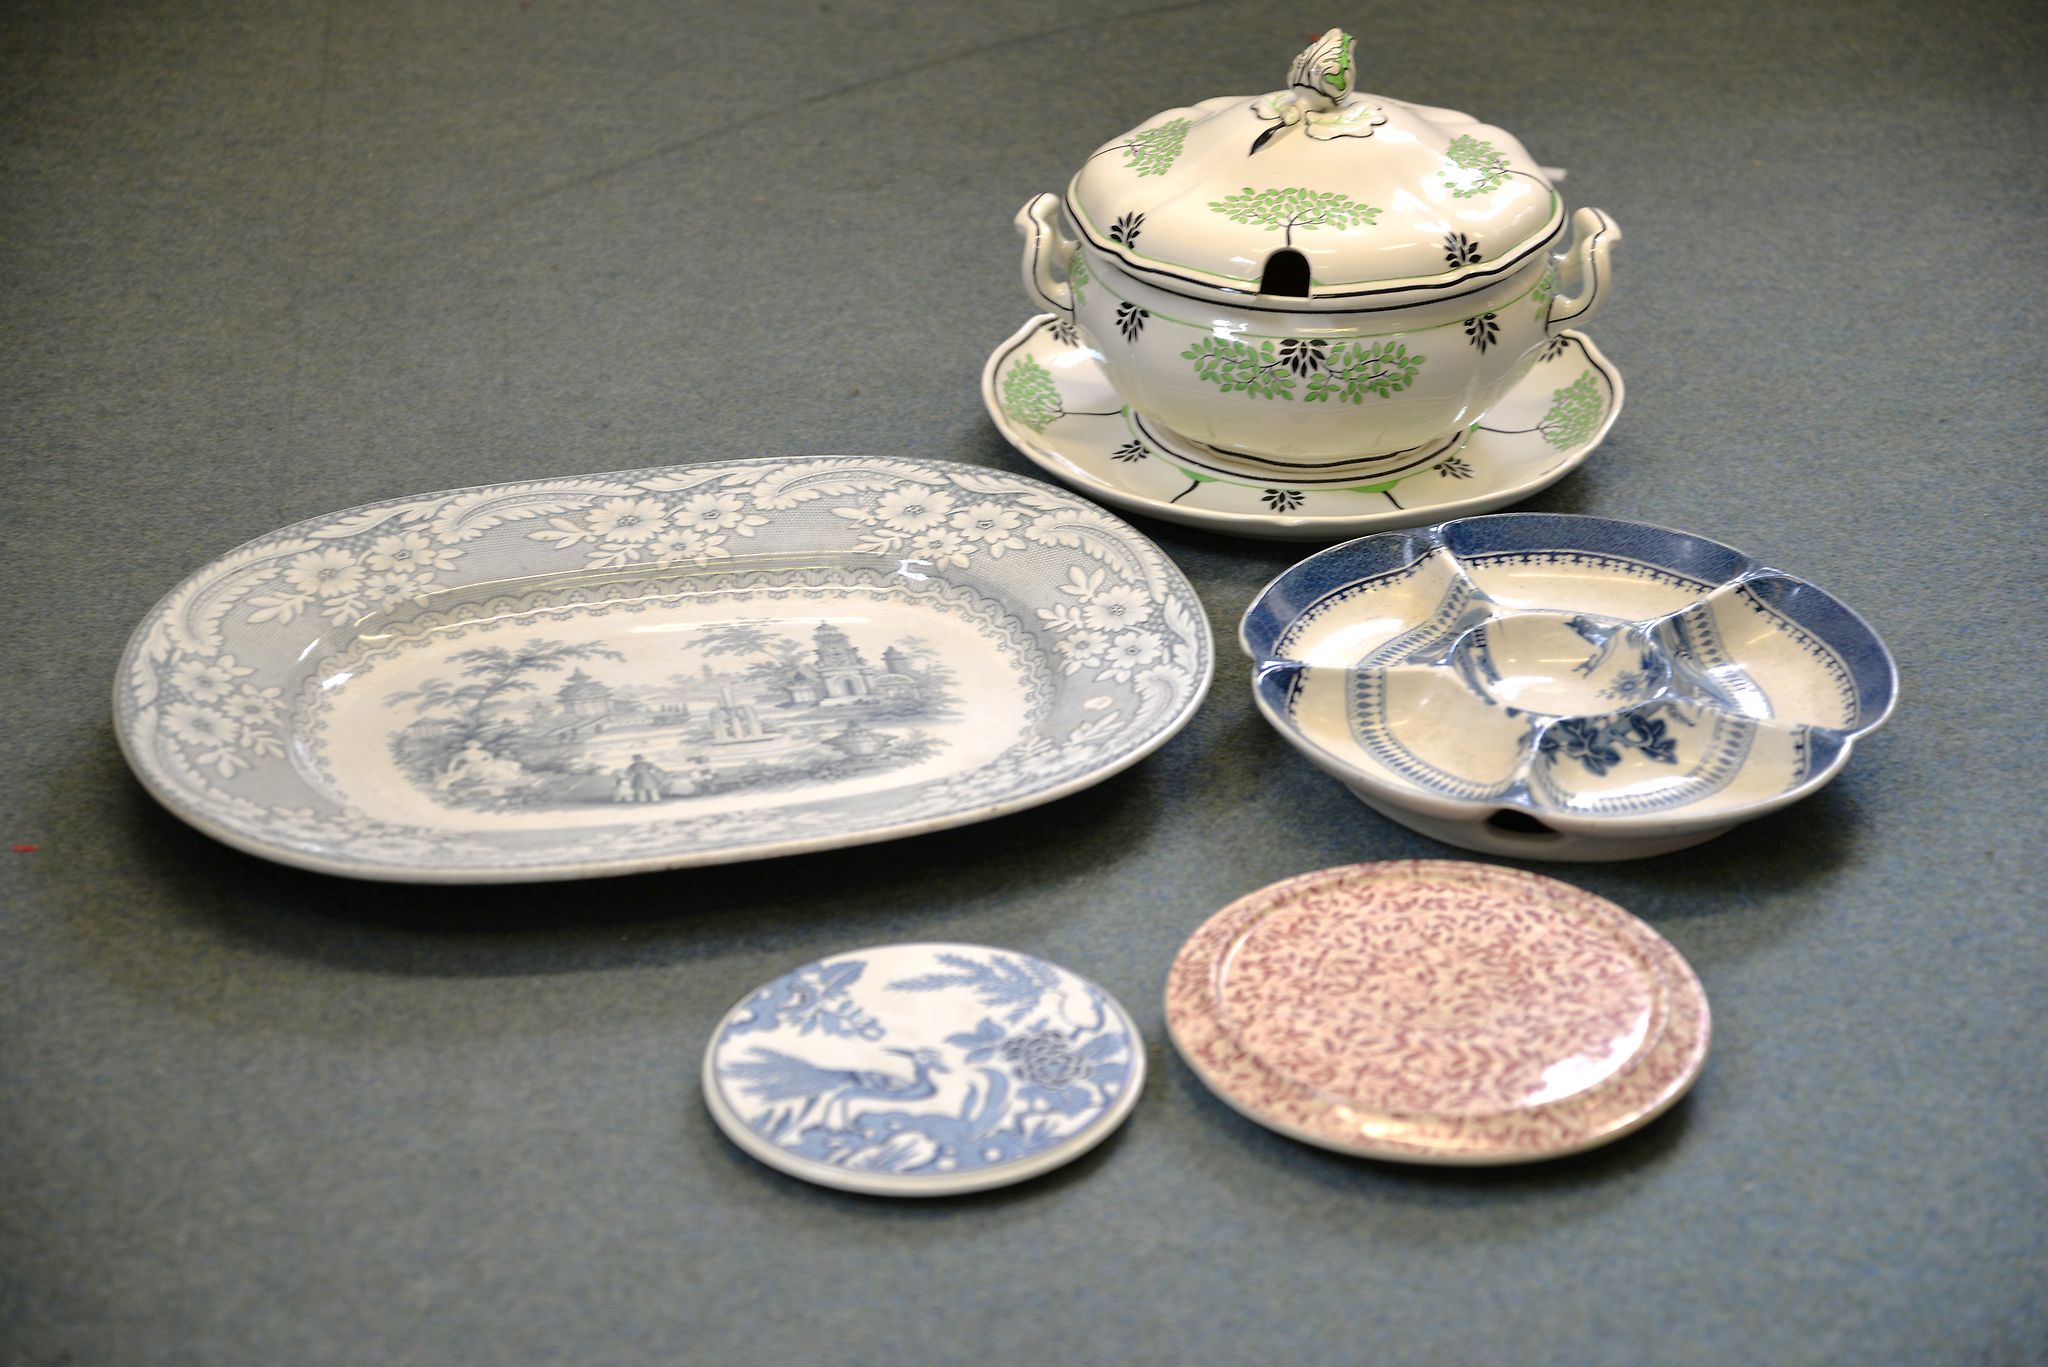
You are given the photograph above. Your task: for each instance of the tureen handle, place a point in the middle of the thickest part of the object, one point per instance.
(1583, 271)
(1045, 246)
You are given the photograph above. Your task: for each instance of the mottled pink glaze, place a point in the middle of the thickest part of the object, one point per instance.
(1437, 1011)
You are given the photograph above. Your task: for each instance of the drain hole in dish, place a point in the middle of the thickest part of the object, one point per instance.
(1286, 274)
(1517, 823)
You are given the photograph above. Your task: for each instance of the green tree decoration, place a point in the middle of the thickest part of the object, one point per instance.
(1077, 277)
(1355, 370)
(1029, 395)
(1472, 154)
(1241, 367)
(1285, 210)
(1545, 288)
(1153, 151)
(1573, 412)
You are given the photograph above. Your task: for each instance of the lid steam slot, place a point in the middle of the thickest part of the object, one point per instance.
(1286, 275)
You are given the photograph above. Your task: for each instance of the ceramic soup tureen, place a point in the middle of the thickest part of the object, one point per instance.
(1315, 275)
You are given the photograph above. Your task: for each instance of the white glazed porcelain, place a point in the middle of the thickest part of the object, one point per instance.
(656, 668)
(1316, 273)
(1048, 395)
(1557, 687)
(923, 1069)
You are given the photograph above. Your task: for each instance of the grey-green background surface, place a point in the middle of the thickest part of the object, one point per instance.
(267, 261)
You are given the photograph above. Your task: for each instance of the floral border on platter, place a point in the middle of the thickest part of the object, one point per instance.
(202, 696)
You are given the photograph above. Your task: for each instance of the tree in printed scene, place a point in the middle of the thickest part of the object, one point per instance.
(778, 660)
(479, 712)
(935, 679)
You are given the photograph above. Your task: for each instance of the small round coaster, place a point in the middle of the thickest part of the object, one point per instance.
(1437, 1011)
(923, 1069)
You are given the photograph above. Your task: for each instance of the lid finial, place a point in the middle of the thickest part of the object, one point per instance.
(1323, 70)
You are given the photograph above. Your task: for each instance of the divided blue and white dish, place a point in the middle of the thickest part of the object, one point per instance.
(1560, 687)
(923, 1069)
(657, 668)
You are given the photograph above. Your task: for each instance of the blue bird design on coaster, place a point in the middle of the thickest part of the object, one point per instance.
(923, 1069)
(772, 1075)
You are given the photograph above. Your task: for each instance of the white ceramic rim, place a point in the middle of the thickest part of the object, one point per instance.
(1284, 526)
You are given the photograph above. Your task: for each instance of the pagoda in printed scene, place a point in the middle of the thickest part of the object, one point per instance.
(588, 704)
(584, 696)
(840, 664)
(838, 670)
(591, 707)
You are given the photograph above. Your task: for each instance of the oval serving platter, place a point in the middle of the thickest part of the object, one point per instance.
(658, 668)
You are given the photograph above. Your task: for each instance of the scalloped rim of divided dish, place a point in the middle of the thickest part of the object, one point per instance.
(1634, 824)
(1655, 1078)
(959, 1183)
(181, 804)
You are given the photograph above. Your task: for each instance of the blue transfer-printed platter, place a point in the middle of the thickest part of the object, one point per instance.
(1047, 392)
(658, 668)
(1562, 687)
(923, 1069)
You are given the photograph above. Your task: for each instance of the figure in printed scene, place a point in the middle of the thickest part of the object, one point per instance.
(649, 782)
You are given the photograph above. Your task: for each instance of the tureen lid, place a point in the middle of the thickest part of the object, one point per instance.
(1384, 202)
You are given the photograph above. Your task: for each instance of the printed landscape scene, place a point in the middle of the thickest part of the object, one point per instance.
(550, 724)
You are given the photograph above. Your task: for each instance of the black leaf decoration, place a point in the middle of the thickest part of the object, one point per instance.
(1303, 357)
